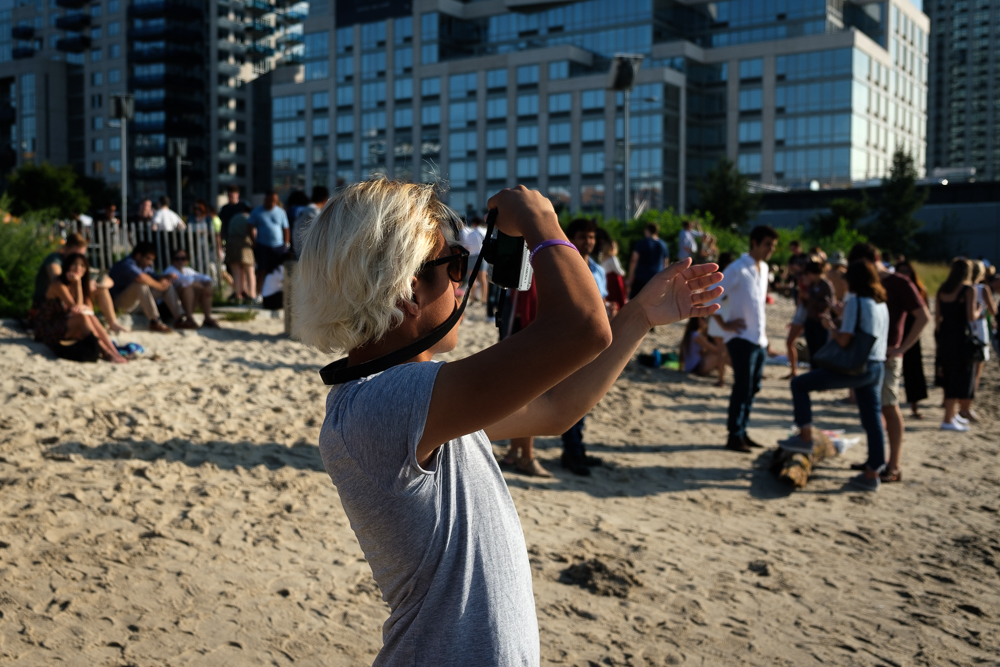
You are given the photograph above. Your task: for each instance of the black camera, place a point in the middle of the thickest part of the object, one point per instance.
(509, 257)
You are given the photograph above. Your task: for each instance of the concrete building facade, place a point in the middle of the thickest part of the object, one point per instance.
(188, 63)
(964, 124)
(487, 94)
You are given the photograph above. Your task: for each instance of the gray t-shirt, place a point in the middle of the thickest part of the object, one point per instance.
(444, 542)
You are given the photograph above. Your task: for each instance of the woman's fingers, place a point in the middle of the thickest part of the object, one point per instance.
(704, 281)
(707, 295)
(699, 270)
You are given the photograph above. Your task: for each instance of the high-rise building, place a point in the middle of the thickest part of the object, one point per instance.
(963, 121)
(487, 94)
(187, 62)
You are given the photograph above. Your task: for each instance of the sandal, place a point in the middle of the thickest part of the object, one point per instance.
(532, 468)
(889, 476)
(917, 414)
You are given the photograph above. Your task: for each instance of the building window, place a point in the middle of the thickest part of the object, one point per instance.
(114, 28)
(430, 114)
(751, 69)
(496, 169)
(97, 145)
(115, 144)
(462, 173)
(559, 164)
(96, 101)
(496, 138)
(345, 124)
(343, 39)
(95, 55)
(403, 30)
(461, 114)
(430, 87)
(527, 105)
(373, 95)
(461, 85)
(372, 123)
(429, 54)
(593, 130)
(345, 151)
(403, 89)
(321, 101)
(372, 35)
(429, 27)
(527, 75)
(592, 99)
(319, 69)
(460, 144)
(560, 103)
(114, 51)
(290, 106)
(750, 100)
(345, 68)
(321, 126)
(592, 163)
(98, 167)
(559, 69)
(114, 76)
(97, 122)
(527, 136)
(345, 96)
(496, 108)
(373, 65)
(592, 196)
(402, 60)
(115, 166)
(749, 163)
(403, 117)
(559, 133)
(749, 131)
(496, 79)
(95, 33)
(527, 167)
(96, 78)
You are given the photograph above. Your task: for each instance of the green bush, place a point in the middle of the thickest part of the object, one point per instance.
(23, 246)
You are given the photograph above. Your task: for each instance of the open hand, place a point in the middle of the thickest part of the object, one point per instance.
(680, 291)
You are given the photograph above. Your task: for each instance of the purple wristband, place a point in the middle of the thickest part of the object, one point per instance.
(547, 244)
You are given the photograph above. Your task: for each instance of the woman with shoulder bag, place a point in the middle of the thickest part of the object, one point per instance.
(958, 350)
(865, 324)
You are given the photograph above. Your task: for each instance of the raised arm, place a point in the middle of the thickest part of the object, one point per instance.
(571, 328)
(672, 295)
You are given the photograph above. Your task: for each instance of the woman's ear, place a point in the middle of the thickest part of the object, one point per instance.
(411, 306)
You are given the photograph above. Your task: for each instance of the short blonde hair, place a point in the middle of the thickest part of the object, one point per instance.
(358, 259)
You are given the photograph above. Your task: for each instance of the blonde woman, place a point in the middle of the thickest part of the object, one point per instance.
(409, 448)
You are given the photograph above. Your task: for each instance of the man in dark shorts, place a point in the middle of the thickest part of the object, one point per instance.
(649, 257)
(273, 235)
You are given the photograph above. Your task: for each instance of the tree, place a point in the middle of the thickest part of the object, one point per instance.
(100, 194)
(850, 211)
(725, 193)
(894, 228)
(44, 187)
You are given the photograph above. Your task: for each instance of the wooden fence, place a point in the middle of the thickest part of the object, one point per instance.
(107, 243)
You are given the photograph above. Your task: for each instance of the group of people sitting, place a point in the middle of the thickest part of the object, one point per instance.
(63, 314)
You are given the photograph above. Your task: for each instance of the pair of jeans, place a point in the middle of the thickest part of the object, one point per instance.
(572, 441)
(867, 393)
(748, 369)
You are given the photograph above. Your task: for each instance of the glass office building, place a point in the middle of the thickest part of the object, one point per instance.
(963, 122)
(484, 95)
(187, 62)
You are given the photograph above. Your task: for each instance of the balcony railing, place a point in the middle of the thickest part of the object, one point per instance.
(73, 22)
(258, 29)
(22, 32)
(77, 44)
(22, 52)
(72, 4)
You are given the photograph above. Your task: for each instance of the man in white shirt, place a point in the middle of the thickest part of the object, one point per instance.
(164, 219)
(745, 330)
(192, 288)
(687, 243)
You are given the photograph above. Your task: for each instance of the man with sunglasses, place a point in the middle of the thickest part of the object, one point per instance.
(192, 287)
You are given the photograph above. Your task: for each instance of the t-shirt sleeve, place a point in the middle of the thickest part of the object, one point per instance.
(383, 422)
(284, 220)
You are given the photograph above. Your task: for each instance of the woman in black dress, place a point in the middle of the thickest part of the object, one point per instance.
(913, 360)
(955, 310)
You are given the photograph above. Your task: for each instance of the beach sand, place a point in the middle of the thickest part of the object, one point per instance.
(175, 511)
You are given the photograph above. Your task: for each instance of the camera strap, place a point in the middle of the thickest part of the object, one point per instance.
(339, 372)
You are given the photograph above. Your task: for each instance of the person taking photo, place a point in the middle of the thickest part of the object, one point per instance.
(409, 448)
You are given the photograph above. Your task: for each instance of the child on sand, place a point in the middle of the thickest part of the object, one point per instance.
(409, 447)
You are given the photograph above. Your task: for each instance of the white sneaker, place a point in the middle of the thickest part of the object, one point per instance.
(960, 419)
(954, 426)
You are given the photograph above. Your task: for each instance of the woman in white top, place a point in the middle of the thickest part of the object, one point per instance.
(407, 442)
(981, 327)
(865, 309)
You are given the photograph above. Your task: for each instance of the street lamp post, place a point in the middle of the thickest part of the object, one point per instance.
(178, 150)
(123, 108)
(621, 77)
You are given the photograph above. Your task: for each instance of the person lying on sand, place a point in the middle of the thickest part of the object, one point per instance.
(409, 448)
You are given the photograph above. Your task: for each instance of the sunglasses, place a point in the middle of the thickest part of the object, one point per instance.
(458, 263)
(181, 258)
